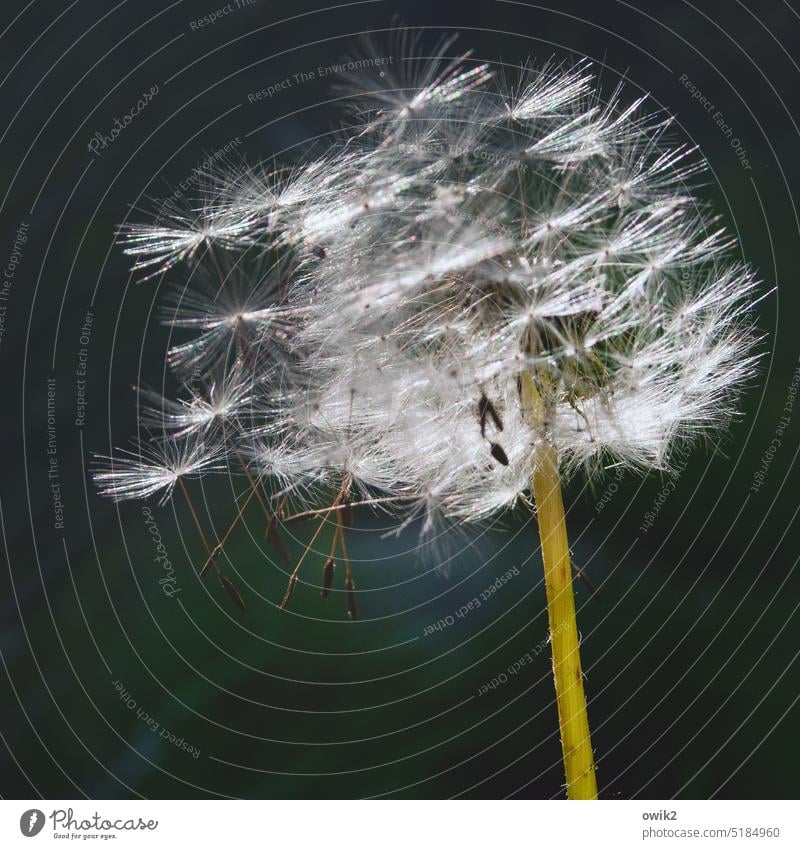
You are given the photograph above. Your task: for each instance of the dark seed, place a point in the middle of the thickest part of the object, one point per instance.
(499, 454)
(276, 541)
(486, 410)
(494, 415)
(232, 591)
(327, 577)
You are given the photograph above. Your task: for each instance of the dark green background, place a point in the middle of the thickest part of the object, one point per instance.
(690, 649)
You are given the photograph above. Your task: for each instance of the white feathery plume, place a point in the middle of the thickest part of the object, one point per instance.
(463, 230)
(155, 467)
(239, 309)
(224, 402)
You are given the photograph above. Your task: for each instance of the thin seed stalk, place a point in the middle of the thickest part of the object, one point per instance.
(573, 720)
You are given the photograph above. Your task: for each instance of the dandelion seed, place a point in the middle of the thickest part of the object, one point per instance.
(221, 403)
(499, 454)
(155, 467)
(231, 590)
(180, 234)
(327, 577)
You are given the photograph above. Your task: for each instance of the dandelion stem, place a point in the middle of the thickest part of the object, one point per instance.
(194, 515)
(576, 744)
(349, 582)
(221, 544)
(253, 485)
(296, 517)
(293, 576)
(213, 255)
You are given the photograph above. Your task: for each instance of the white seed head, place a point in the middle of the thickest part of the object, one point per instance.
(379, 306)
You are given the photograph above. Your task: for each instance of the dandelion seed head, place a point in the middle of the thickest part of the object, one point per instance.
(356, 316)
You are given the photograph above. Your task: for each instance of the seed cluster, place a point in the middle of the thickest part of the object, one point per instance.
(364, 322)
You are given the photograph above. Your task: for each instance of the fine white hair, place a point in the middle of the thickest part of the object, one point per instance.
(366, 316)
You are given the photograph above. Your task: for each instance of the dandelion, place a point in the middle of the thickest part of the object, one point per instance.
(179, 235)
(236, 307)
(155, 467)
(226, 399)
(483, 286)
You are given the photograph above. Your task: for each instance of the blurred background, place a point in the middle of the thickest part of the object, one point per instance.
(110, 688)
